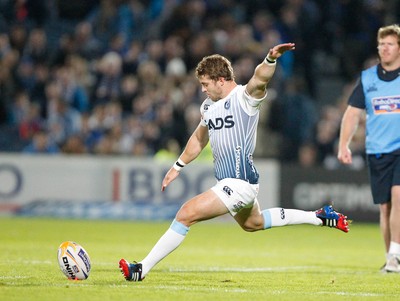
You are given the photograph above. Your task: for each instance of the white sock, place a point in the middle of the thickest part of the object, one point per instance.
(394, 248)
(165, 245)
(278, 217)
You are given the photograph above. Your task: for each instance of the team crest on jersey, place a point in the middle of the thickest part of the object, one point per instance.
(206, 106)
(372, 88)
(385, 105)
(227, 104)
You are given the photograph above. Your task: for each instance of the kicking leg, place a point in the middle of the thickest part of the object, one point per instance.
(202, 207)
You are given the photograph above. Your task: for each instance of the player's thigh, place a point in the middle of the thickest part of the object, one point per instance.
(204, 206)
(236, 194)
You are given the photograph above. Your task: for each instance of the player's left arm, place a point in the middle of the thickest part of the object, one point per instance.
(263, 73)
(197, 141)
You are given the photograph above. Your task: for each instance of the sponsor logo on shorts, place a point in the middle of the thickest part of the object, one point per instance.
(282, 213)
(227, 190)
(238, 206)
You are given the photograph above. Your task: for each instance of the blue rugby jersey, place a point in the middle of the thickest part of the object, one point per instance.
(232, 128)
(382, 101)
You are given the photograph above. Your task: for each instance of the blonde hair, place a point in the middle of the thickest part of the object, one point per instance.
(215, 66)
(390, 30)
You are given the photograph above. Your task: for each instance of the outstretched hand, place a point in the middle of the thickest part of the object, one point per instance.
(171, 175)
(277, 51)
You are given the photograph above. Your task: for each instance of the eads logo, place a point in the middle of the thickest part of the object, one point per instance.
(220, 123)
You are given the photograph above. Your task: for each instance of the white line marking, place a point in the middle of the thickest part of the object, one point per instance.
(202, 289)
(245, 270)
(13, 277)
(352, 294)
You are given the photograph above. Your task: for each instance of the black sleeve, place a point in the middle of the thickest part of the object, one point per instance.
(357, 97)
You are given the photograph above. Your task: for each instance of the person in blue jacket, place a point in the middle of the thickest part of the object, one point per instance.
(378, 94)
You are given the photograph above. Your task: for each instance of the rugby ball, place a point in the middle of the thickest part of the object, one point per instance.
(73, 260)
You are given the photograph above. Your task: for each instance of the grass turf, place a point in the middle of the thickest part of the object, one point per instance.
(217, 261)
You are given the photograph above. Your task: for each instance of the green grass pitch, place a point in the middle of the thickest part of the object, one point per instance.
(217, 261)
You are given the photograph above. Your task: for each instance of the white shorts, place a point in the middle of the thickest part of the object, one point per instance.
(236, 194)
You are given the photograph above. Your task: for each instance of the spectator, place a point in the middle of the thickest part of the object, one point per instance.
(87, 45)
(104, 20)
(89, 133)
(36, 49)
(25, 75)
(62, 121)
(18, 35)
(133, 21)
(104, 145)
(41, 74)
(32, 124)
(132, 57)
(129, 91)
(41, 144)
(109, 74)
(74, 145)
(71, 90)
(295, 116)
(20, 108)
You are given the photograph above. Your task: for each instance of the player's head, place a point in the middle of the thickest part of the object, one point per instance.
(390, 30)
(215, 75)
(389, 46)
(215, 66)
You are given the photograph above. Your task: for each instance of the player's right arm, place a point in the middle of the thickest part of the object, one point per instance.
(197, 141)
(350, 122)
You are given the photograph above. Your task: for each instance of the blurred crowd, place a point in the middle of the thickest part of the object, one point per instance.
(115, 77)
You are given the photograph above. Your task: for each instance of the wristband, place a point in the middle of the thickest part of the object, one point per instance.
(179, 164)
(269, 61)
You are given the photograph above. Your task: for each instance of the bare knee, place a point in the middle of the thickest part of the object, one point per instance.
(252, 225)
(185, 216)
